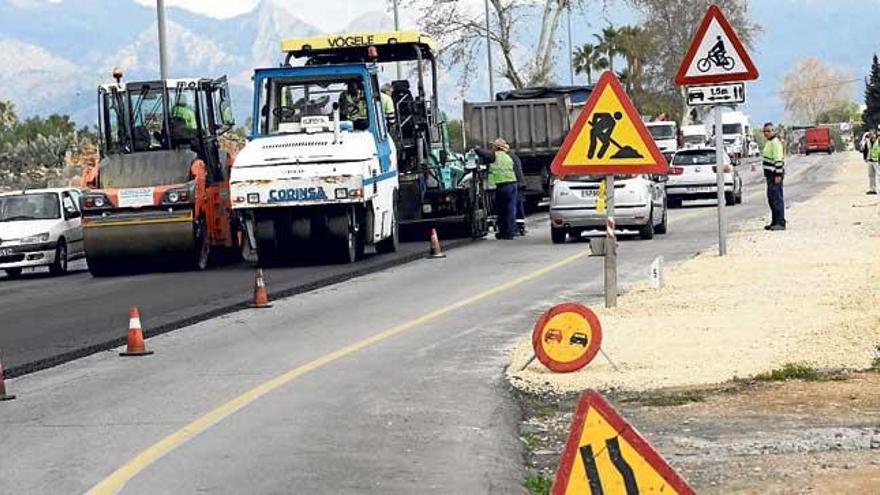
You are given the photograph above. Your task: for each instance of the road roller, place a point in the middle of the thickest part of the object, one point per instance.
(159, 195)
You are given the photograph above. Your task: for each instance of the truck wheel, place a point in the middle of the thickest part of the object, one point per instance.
(647, 231)
(661, 229)
(391, 244)
(343, 239)
(59, 266)
(13, 272)
(558, 235)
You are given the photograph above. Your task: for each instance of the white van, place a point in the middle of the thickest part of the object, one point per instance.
(40, 227)
(695, 136)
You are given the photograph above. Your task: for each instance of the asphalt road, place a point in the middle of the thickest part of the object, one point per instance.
(389, 383)
(47, 320)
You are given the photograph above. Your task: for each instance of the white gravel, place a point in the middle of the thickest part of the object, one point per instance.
(809, 294)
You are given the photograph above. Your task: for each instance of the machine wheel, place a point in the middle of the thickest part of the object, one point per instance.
(345, 248)
(391, 244)
(59, 266)
(202, 253)
(558, 235)
(100, 269)
(647, 231)
(13, 272)
(661, 229)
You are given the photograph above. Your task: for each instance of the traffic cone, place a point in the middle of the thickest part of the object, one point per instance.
(435, 245)
(3, 394)
(135, 345)
(261, 298)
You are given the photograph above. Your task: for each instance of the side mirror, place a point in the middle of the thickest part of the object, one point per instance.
(71, 212)
(660, 178)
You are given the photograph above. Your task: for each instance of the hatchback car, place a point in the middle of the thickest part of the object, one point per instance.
(692, 175)
(40, 227)
(639, 204)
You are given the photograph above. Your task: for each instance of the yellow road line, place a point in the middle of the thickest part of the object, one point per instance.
(116, 481)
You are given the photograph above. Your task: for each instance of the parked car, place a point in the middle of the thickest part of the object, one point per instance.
(692, 175)
(40, 227)
(639, 204)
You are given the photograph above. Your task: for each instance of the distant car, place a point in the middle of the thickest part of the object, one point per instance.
(639, 204)
(40, 227)
(578, 339)
(692, 176)
(553, 334)
(818, 139)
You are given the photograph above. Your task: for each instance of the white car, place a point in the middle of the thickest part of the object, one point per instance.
(639, 204)
(692, 176)
(40, 227)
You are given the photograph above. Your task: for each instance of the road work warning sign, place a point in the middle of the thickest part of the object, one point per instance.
(605, 455)
(608, 137)
(567, 337)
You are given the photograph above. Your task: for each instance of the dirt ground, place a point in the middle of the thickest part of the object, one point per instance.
(789, 437)
(808, 294)
(801, 303)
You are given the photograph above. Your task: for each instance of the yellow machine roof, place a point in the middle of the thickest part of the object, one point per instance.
(332, 42)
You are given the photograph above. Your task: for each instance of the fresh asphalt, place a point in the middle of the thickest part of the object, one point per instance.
(423, 409)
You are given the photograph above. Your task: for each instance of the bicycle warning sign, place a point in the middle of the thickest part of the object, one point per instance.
(716, 54)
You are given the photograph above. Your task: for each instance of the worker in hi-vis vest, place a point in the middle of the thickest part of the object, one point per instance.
(387, 103)
(182, 111)
(502, 176)
(774, 173)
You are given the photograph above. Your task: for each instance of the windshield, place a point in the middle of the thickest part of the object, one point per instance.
(29, 207)
(297, 105)
(662, 131)
(141, 111)
(695, 158)
(731, 129)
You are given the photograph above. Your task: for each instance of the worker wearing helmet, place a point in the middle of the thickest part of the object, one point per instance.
(182, 111)
(502, 176)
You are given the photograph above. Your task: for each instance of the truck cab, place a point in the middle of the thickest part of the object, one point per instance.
(311, 176)
(665, 135)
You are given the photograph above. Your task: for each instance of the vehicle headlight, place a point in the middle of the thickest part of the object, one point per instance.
(35, 239)
(99, 202)
(177, 196)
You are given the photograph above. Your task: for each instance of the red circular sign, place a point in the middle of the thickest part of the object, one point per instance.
(567, 337)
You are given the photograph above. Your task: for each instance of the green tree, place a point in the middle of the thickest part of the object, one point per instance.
(636, 47)
(587, 58)
(840, 111)
(455, 135)
(7, 114)
(608, 42)
(871, 115)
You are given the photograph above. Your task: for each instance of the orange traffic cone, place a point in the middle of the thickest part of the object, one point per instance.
(135, 345)
(435, 245)
(3, 394)
(261, 298)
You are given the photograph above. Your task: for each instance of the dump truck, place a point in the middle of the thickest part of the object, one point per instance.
(534, 121)
(313, 176)
(160, 192)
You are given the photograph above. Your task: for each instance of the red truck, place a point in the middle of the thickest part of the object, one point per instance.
(818, 139)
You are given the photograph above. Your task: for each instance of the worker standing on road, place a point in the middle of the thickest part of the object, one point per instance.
(868, 144)
(388, 103)
(502, 176)
(520, 194)
(774, 173)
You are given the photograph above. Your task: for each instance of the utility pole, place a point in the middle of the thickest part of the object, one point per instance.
(570, 48)
(489, 55)
(163, 54)
(397, 28)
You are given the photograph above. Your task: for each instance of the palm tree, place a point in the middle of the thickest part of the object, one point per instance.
(635, 45)
(588, 58)
(609, 43)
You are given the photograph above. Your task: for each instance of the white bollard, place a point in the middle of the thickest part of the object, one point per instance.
(657, 272)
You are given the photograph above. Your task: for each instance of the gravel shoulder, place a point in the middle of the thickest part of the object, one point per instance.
(804, 295)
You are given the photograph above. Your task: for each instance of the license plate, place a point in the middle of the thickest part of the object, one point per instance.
(589, 193)
(699, 189)
(136, 197)
(5, 252)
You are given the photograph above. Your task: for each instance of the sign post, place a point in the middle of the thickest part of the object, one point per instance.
(608, 138)
(717, 56)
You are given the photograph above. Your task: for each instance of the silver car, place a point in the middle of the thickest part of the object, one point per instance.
(692, 176)
(639, 204)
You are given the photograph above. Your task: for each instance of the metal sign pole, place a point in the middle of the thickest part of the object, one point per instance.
(719, 176)
(163, 53)
(610, 246)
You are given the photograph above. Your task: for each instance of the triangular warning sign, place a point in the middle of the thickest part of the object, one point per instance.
(608, 137)
(605, 454)
(716, 54)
